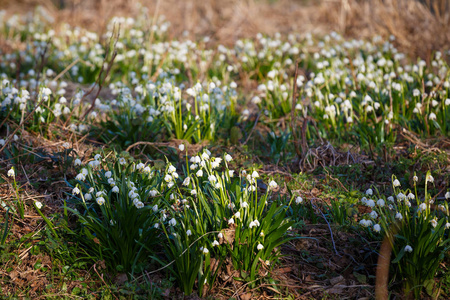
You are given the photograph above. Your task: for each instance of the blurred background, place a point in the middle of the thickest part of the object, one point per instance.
(419, 26)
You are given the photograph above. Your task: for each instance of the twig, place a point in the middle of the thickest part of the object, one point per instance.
(329, 227)
(294, 102)
(154, 145)
(250, 134)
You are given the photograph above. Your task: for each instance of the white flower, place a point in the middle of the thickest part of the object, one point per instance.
(228, 158)
(115, 189)
(369, 192)
(181, 147)
(422, 207)
(186, 181)
(199, 173)
(215, 243)
(399, 216)
(11, 173)
(188, 232)
(97, 157)
(231, 173)
(173, 222)
(432, 116)
(272, 185)
(373, 215)
(122, 161)
(140, 166)
(38, 204)
(411, 196)
(231, 221)
(156, 225)
(108, 174)
(87, 196)
(408, 248)
(168, 178)
(171, 169)
(447, 195)
(212, 178)
(370, 203)
(205, 250)
(390, 198)
(298, 200)
(430, 178)
(2, 142)
(220, 235)
(77, 162)
(415, 178)
(376, 228)
(252, 224)
(434, 223)
(193, 192)
(396, 182)
(80, 177)
(255, 174)
(447, 225)
(259, 247)
(380, 202)
(76, 191)
(100, 200)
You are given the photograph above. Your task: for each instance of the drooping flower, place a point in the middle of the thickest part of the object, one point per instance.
(377, 228)
(38, 204)
(298, 200)
(115, 189)
(273, 185)
(100, 200)
(11, 173)
(408, 248)
(396, 183)
(259, 247)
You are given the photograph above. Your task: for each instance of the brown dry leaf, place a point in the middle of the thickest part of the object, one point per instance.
(246, 296)
(121, 279)
(229, 234)
(337, 280)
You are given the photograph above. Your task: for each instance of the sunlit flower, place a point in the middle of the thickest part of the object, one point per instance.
(181, 147)
(115, 189)
(272, 185)
(259, 247)
(396, 183)
(298, 200)
(434, 223)
(430, 178)
(199, 173)
(228, 158)
(108, 174)
(38, 204)
(76, 191)
(173, 222)
(215, 243)
(77, 162)
(231, 221)
(188, 232)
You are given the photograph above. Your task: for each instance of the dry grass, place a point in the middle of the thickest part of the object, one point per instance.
(419, 27)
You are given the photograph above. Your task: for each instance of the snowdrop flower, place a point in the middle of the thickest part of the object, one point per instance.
(171, 169)
(415, 178)
(186, 181)
(231, 221)
(237, 215)
(188, 232)
(215, 243)
(139, 204)
(298, 200)
(380, 202)
(173, 222)
(252, 224)
(181, 147)
(140, 166)
(205, 250)
(77, 162)
(411, 196)
(396, 182)
(369, 192)
(199, 173)
(408, 248)
(115, 189)
(430, 178)
(434, 223)
(272, 185)
(370, 203)
(376, 228)
(111, 181)
(193, 192)
(100, 200)
(373, 215)
(255, 174)
(447, 225)
(212, 178)
(231, 173)
(220, 235)
(11, 173)
(108, 174)
(259, 247)
(168, 178)
(447, 195)
(156, 225)
(122, 161)
(228, 158)
(399, 216)
(38, 204)
(432, 116)
(75, 191)
(390, 198)
(97, 157)
(244, 204)
(80, 177)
